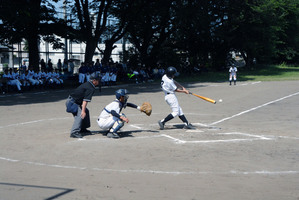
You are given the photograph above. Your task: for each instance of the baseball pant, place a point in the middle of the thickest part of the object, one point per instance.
(80, 123)
(172, 101)
(107, 123)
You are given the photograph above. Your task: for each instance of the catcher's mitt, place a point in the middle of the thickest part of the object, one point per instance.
(146, 107)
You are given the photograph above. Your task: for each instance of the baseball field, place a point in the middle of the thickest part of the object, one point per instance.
(245, 147)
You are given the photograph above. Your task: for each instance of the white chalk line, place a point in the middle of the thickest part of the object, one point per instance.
(34, 93)
(262, 172)
(194, 131)
(177, 141)
(255, 108)
(34, 121)
(252, 138)
(135, 126)
(242, 84)
(63, 118)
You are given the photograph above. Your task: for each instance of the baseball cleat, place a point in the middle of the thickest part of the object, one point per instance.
(76, 135)
(112, 135)
(161, 124)
(189, 126)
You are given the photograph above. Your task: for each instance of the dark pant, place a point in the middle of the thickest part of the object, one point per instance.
(80, 123)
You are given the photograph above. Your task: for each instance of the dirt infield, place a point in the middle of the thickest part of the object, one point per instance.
(245, 147)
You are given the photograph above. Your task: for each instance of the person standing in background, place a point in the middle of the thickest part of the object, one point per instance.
(233, 74)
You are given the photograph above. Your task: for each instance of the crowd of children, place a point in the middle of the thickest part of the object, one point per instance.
(27, 79)
(108, 72)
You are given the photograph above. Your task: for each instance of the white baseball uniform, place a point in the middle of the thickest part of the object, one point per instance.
(110, 116)
(106, 119)
(12, 81)
(232, 73)
(30, 77)
(169, 87)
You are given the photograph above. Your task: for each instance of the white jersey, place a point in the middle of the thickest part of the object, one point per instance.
(22, 77)
(30, 74)
(106, 120)
(8, 75)
(233, 70)
(15, 75)
(115, 105)
(168, 85)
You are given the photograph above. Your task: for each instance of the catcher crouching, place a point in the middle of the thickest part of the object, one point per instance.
(112, 119)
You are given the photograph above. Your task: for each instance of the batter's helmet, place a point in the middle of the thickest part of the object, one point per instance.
(170, 72)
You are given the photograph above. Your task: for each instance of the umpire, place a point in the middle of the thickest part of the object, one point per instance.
(77, 105)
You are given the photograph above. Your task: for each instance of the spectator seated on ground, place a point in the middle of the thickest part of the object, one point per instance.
(53, 80)
(30, 77)
(38, 76)
(43, 77)
(23, 79)
(155, 73)
(11, 81)
(143, 75)
(112, 78)
(161, 72)
(56, 76)
(105, 78)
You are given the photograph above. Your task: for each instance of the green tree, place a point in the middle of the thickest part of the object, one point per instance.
(287, 12)
(91, 17)
(192, 30)
(28, 19)
(121, 12)
(265, 30)
(150, 29)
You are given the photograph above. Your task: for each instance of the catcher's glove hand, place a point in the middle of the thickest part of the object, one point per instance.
(146, 107)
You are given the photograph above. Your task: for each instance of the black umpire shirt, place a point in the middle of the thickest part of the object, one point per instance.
(83, 93)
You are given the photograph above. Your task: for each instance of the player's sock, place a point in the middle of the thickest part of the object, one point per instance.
(169, 117)
(183, 118)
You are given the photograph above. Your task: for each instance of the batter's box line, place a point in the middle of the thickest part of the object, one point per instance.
(253, 137)
(262, 172)
(201, 125)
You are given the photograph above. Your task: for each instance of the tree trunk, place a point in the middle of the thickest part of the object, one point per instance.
(33, 33)
(33, 52)
(107, 51)
(89, 50)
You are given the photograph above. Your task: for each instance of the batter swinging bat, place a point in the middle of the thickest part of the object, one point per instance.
(204, 98)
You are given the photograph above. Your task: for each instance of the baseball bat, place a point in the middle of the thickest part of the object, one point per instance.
(204, 98)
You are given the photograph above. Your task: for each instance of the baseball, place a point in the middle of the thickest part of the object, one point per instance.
(220, 100)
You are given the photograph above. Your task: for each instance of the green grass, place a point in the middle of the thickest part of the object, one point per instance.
(281, 72)
(273, 73)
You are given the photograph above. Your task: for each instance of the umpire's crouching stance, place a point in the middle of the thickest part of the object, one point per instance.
(77, 105)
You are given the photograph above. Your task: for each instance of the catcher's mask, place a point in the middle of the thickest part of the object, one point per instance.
(122, 93)
(171, 72)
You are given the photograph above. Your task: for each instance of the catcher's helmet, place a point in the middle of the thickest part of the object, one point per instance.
(170, 72)
(122, 92)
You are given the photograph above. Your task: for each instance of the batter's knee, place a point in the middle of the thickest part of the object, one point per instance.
(175, 113)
